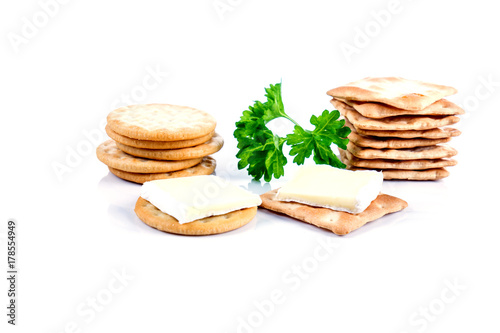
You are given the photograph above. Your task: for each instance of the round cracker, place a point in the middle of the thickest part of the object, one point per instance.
(155, 218)
(109, 154)
(148, 144)
(160, 122)
(205, 149)
(206, 167)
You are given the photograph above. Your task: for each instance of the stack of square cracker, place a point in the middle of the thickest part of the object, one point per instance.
(398, 127)
(159, 141)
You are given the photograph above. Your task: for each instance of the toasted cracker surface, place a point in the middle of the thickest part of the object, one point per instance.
(340, 223)
(393, 174)
(155, 218)
(377, 164)
(109, 154)
(435, 133)
(396, 123)
(443, 107)
(149, 144)
(206, 167)
(395, 91)
(394, 143)
(429, 152)
(204, 149)
(160, 122)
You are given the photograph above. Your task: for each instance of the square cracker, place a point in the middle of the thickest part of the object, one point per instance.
(395, 91)
(394, 174)
(442, 107)
(397, 123)
(382, 164)
(418, 153)
(435, 133)
(340, 223)
(393, 143)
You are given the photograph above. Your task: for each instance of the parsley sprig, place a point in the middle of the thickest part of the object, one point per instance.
(262, 151)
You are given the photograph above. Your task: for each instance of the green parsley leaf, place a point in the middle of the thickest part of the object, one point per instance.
(327, 130)
(262, 151)
(259, 148)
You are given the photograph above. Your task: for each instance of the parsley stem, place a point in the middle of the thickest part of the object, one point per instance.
(289, 118)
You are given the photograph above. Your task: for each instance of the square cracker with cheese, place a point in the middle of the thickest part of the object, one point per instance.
(395, 91)
(340, 223)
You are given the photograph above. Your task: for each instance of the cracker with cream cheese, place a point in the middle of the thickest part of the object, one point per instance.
(211, 225)
(340, 223)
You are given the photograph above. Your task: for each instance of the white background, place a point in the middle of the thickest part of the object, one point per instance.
(77, 230)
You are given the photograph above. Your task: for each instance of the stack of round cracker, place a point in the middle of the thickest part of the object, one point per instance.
(159, 141)
(399, 127)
